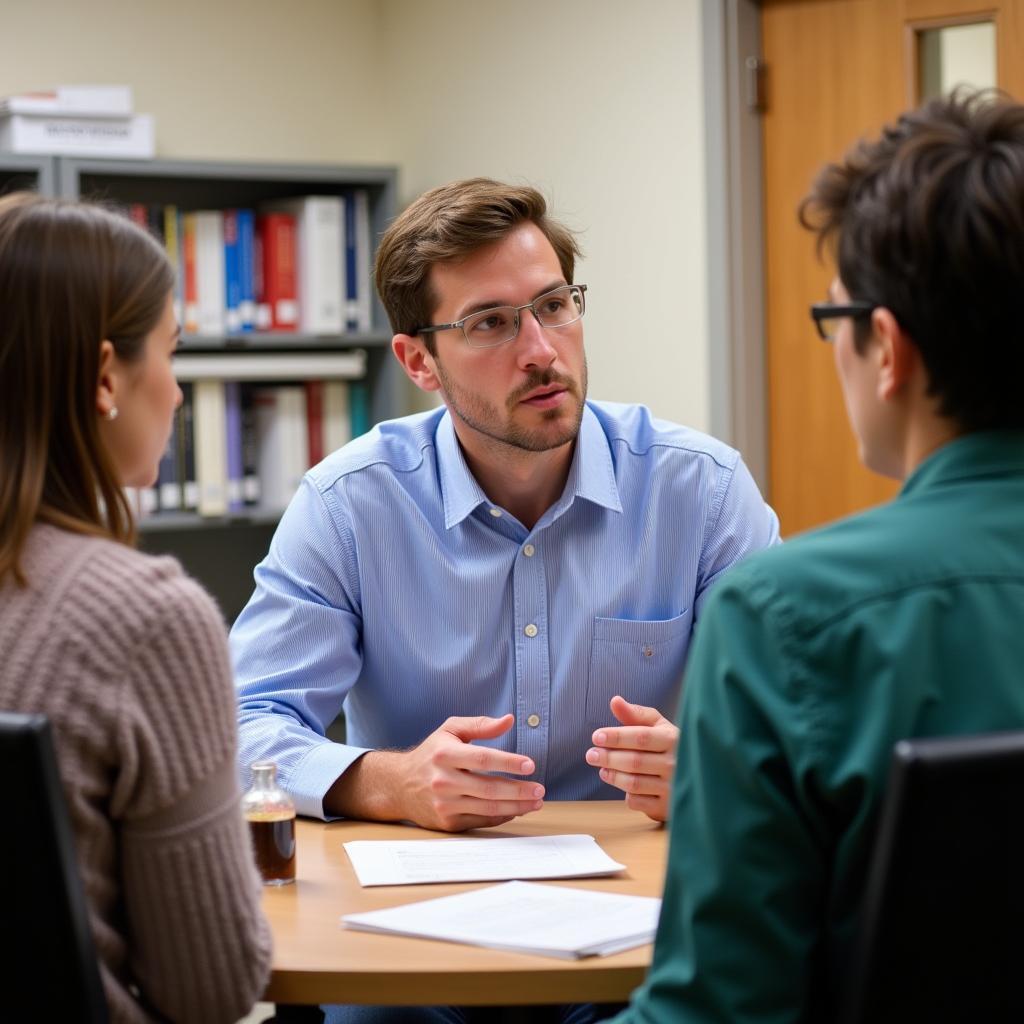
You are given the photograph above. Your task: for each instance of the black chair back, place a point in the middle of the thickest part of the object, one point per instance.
(942, 925)
(50, 970)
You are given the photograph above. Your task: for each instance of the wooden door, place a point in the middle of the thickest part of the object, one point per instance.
(837, 70)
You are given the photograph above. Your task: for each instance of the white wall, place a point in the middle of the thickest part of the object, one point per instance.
(445, 89)
(472, 85)
(226, 79)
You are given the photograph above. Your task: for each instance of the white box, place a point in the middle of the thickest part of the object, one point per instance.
(131, 137)
(72, 101)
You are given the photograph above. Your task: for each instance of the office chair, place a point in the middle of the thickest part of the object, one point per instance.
(49, 970)
(942, 922)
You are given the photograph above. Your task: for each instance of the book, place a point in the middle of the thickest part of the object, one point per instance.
(282, 442)
(251, 489)
(232, 274)
(319, 251)
(210, 424)
(72, 101)
(173, 245)
(209, 264)
(524, 917)
(246, 226)
(337, 422)
(233, 443)
(121, 137)
(190, 325)
(168, 486)
(364, 261)
(186, 447)
(277, 306)
(315, 420)
(359, 408)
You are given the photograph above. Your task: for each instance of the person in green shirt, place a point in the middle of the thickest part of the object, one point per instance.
(814, 658)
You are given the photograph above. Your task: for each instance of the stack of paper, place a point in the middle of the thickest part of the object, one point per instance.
(417, 861)
(523, 917)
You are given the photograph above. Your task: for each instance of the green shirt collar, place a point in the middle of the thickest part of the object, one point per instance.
(982, 454)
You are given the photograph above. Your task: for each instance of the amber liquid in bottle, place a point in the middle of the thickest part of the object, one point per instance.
(271, 817)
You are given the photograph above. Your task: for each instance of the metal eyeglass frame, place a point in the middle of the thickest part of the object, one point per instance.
(532, 306)
(834, 310)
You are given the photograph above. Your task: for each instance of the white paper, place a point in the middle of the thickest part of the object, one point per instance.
(416, 861)
(523, 917)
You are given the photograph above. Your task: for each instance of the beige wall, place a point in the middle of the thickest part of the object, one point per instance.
(445, 88)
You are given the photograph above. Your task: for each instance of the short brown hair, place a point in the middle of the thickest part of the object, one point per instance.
(446, 225)
(928, 221)
(71, 276)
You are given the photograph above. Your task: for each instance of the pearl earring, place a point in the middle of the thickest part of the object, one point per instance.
(112, 413)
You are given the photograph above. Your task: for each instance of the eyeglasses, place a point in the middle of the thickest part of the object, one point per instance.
(826, 315)
(492, 327)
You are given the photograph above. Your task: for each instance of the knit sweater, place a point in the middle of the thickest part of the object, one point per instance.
(127, 656)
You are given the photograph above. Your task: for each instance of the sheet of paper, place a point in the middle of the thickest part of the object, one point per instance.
(524, 917)
(416, 861)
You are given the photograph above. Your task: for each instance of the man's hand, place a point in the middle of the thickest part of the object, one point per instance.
(639, 757)
(444, 783)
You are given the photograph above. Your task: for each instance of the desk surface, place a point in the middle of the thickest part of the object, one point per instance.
(318, 961)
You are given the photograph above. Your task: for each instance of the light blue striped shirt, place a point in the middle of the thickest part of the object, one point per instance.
(395, 588)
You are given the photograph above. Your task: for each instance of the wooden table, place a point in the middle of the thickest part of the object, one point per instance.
(318, 961)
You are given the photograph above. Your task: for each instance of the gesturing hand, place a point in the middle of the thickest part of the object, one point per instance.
(639, 757)
(446, 782)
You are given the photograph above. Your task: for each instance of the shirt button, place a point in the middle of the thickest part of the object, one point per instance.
(496, 512)
(648, 651)
(530, 630)
(533, 721)
(528, 550)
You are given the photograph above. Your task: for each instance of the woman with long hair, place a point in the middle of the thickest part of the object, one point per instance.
(122, 651)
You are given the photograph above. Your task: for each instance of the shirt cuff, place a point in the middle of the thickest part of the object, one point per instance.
(319, 770)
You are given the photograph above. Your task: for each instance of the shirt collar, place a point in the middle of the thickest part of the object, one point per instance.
(983, 454)
(591, 475)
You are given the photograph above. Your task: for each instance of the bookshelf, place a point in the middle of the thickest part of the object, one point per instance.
(222, 550)
(35, 173)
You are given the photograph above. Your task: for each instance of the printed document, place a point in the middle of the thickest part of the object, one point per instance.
(524, 917)
(416, 861)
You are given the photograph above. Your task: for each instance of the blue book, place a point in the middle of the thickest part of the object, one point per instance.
(233, 435)
(351, 264)
(232, 274)
(168, 486)
(359, 407)
(247, 268)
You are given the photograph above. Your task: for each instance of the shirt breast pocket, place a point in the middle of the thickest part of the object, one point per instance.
(642, 660)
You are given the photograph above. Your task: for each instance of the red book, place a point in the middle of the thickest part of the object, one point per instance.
(315, 420)
(188, 259)
(137, 213)
(276, 232)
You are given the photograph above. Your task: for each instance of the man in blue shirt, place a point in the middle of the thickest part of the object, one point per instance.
(505, 585)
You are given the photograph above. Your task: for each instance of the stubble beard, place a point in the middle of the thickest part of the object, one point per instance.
(485, 418)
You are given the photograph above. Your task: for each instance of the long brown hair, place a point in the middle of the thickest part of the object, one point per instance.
(71, 276)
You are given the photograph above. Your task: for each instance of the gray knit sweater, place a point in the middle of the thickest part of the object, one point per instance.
(127, 656)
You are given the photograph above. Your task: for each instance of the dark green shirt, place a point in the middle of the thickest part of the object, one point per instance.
(811, 660)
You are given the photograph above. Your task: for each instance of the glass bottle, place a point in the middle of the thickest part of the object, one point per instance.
(271, 816)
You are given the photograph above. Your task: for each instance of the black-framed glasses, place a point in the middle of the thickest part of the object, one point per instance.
(826, 315)
(492, 327)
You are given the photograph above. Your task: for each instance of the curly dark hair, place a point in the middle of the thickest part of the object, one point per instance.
(928, 221)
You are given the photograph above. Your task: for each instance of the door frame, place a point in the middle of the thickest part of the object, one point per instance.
(737, 356)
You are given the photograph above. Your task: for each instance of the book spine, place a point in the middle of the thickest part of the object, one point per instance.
(246, 269)
(351, 269)
(337, 418)
(320, 247)
(191, 325)
(359, 408)
(364, 261)
(277, 238)
(211, 447)
(232, 274)
(251, 491)
(167, 485)
(187, 448)
(210, 271)
(172, 243)
(233, 441)
(315, 420)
